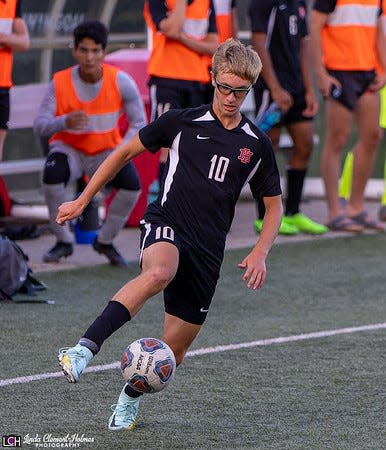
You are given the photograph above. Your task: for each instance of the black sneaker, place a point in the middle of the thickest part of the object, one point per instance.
(110, 252)
(59, 250)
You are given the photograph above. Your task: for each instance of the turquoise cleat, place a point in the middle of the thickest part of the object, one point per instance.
(124, 412)
(73, 361)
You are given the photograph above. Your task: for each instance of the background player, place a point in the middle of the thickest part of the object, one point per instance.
(280, 36)
(81, 111)
(348, 43)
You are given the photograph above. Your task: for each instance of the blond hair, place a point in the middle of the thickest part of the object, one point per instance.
(235, 58)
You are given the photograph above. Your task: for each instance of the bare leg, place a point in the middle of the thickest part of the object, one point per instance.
(370, 134)
(179, 335)
(3, 134)
(338, 126)
(302, 136)
(159, 266)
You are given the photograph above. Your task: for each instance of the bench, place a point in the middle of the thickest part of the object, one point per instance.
(25, 102)
(22, 166)
(26, 99)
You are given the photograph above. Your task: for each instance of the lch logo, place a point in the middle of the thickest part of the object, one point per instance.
(11, 441)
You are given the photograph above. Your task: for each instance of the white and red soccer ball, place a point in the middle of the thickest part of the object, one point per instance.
(148, 365)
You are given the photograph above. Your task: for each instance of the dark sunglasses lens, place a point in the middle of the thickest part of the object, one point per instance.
(239, 93)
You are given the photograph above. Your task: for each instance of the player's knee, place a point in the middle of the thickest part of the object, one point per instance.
(56, 169)
(160, 277)
(374, 136)
(335, 141)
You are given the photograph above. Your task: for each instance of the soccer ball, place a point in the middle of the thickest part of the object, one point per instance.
(148, 365)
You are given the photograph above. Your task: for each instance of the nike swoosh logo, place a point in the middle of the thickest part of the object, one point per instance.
(204, 310)
(113, 424)
(203, 137)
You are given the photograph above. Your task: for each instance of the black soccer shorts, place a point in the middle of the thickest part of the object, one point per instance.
(263, 100)
(188, 296)
(354, 84)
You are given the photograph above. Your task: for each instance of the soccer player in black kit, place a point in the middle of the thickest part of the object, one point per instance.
(280, 36)
(214, 152)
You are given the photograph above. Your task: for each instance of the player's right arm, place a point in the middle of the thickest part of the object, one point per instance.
(105, 172)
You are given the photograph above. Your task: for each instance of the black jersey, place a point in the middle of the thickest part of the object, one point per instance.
(207, 168)
(284, 23)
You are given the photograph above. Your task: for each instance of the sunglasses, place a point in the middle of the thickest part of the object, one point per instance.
(226, 90)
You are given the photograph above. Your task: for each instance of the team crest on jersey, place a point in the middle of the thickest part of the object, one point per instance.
(245, 155)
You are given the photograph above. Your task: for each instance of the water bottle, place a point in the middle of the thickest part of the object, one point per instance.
(153, 192)
(335, 92)
(269, 118)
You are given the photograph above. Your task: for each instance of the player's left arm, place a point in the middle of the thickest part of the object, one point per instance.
(306, 63)
(172, 22)
(18, 39)
(254, 262)
(105, 172)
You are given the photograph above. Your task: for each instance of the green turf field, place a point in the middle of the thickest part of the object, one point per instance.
(300, 392)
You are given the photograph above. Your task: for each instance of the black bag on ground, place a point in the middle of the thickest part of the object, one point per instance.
(19, 232)
(15, 274)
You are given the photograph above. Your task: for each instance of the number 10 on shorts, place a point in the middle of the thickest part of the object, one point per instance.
(165, 233)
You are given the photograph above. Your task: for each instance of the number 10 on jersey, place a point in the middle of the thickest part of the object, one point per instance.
(218, 168)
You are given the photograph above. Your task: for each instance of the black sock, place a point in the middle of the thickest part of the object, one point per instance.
(112, 318)
(295, 181)
(260, 208)
(132, 392)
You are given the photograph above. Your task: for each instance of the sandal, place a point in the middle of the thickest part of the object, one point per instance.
(344, 223)
(365, 221)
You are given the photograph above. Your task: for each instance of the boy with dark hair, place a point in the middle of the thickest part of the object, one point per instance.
(93, 29)
(81, 111)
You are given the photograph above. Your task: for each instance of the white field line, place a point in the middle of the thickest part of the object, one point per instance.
(207, 350)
